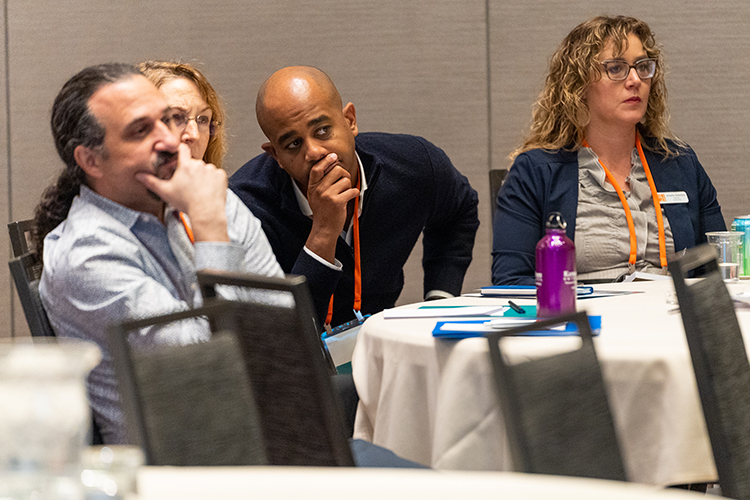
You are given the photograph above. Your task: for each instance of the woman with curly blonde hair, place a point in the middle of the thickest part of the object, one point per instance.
(601, 153)
(187, 89)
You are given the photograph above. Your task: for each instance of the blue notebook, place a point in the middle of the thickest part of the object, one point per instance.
(523, 291)
(477, 328)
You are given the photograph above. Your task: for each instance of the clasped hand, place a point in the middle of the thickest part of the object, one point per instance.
(329, 191)
(198, 189)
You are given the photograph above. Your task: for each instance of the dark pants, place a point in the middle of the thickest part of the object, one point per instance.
(367, 454)
(343, 385)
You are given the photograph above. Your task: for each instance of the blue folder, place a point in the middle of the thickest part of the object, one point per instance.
(569, 330)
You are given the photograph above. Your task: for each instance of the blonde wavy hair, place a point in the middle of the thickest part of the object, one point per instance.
(160, 72)
(561, 114)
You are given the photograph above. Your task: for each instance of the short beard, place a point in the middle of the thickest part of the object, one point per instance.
(162, 159)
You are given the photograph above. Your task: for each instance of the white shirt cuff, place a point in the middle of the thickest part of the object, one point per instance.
(336, 266)
(437, 294)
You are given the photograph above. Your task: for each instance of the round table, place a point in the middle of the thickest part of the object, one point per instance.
(432, 400)
(324, 483)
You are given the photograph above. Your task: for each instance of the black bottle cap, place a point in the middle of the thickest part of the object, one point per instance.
(556, 221)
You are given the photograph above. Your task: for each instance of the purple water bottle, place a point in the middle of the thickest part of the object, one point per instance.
(555, 270)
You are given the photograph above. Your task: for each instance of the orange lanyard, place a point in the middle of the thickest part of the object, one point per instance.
(187, 228)
(357, 268)
(629, 215)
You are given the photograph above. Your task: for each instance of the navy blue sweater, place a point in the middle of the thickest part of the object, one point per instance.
(412, 188)
(540, 182)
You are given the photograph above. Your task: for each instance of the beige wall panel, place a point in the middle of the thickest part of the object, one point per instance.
(414, 66)
(706, 47)
(8, 297)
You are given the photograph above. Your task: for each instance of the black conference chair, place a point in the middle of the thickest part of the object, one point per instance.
(497, 177)
(188, 405)
(299, 417)
(20, 236)
(721, 366)
(256, 287)
(556, 412)
(297, 315)
(26, 269)
(296, 320)
(302, 314)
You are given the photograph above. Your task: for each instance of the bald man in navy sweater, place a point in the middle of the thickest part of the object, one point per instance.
(317, 172)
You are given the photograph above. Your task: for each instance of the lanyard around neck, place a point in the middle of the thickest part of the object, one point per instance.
(357, 306)
(629, 216)
(188, 230)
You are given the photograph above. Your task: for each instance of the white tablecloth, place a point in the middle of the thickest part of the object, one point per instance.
(281, 483)
(432, 401)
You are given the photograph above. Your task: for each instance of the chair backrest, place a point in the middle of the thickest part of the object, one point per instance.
(258, 287)
(290, 373)
(296, 407)
(190, 404)
(556, 412)
(20, 232)
(26, 271)
(497, 177)
(721, 366)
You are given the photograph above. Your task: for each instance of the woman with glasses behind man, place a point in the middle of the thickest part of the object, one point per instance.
(600, 152)
(199, 112)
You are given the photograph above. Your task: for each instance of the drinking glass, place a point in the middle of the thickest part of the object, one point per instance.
(109, 472)
(729, 246)
(45, 416)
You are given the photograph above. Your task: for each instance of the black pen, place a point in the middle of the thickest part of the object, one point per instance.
(516, 307)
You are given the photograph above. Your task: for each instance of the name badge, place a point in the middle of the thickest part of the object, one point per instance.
(671, 197)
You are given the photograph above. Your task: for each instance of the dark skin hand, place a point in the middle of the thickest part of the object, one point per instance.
(330, 194)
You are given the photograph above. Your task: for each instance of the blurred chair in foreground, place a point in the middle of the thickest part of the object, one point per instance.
(188, 405)
(720, 363)
(556, 413)
(290, 296)
(298, 419)
(290, 368)
(299, 317)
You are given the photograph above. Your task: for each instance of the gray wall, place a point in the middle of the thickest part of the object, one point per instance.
(462, 73)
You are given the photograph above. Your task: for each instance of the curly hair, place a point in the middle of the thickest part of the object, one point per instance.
(160, 72)
(560, 114)
(73, 125)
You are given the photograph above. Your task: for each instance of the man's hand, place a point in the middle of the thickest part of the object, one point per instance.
(329, 190)
(198, 189)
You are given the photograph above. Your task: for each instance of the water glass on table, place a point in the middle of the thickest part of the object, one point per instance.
(729, 246)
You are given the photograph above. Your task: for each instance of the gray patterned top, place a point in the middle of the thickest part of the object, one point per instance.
(602, 239)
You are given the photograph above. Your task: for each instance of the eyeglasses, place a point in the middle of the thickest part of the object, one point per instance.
(619, 70)
(178, 120)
